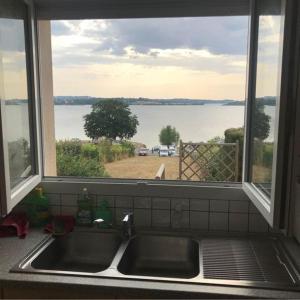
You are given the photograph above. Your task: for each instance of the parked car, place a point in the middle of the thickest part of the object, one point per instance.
(143, 152)
(155, 149)
(172, 151)
(163, 152)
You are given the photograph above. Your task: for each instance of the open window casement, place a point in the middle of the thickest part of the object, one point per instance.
(264, 136)
(19, 111)
(263, 154)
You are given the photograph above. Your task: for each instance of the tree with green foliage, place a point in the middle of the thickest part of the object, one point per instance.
(261, 122)
(110, 119)
(168, 136)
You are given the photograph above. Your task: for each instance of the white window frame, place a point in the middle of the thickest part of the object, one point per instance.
(59, 9)
(11, 197)
(269, 207)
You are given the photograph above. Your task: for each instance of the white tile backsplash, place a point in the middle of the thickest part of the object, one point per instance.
(175, 213)
(160, 218)
(218, 221)
(199, 220)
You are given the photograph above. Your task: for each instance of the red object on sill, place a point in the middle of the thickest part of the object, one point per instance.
(14, 225)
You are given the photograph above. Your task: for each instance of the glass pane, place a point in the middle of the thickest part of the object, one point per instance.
(14, 98)
(266, 96)
(185, 81)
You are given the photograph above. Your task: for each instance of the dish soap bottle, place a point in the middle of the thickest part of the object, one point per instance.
(37, 207)
(85, 209)
(103, 212)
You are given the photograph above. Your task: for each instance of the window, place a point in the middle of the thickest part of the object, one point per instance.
(135, 56)
(265, 106)
(184, 73)
(17, 103)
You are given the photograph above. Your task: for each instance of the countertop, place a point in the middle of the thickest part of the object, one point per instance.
(13, 249)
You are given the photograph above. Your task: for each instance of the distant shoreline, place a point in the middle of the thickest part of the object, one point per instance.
(86, 100)
(156, 104)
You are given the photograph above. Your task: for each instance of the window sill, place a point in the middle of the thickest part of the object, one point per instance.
(149, 188)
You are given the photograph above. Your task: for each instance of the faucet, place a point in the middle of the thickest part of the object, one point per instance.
(128, 227)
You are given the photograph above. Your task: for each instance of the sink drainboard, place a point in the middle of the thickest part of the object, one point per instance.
(238, 259)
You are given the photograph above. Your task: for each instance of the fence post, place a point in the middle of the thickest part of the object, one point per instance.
(237, 146)
(180, 157)
(161, 173)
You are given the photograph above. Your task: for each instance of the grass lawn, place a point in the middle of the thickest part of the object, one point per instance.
(143, 167)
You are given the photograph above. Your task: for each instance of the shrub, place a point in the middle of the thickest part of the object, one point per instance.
(110, 153)
(268, 155)
(232, 135)
(128, 148)
(69, 147)
(105, 152)
(90, 151)
(74, 159)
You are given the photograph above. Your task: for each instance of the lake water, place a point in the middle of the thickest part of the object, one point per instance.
(194, 123)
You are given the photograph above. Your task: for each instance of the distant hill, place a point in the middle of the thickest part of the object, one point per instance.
(267, 100)
(87, 100)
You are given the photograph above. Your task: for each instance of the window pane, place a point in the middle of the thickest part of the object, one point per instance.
(266, 97)
(14, 98)
(183, 73)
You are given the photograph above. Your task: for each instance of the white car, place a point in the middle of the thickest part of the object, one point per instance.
(163, 152)
(172, 151)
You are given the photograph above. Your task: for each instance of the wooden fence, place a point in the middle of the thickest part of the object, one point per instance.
(209, 162)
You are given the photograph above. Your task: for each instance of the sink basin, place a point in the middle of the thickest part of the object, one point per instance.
(79, 252)
(161, 256)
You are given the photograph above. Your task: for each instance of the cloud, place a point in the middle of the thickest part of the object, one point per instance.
(171, 57)
(60, 28)
(12, 35)
(155, 42)
(219, 35)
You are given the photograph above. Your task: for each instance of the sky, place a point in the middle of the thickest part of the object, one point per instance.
(13, 59)
(196, 58)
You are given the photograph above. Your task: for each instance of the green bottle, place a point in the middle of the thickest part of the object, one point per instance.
(85, 209)
(37, 208)
(103, 212)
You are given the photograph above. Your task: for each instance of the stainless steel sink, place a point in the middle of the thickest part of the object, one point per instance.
(161, 256)
(255, 262)
(78, 252)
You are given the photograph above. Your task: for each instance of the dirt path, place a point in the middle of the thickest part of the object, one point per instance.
(143, 167)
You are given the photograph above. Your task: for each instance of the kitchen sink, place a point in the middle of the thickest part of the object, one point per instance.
(161, 256)
(237, 261)
(79, 252)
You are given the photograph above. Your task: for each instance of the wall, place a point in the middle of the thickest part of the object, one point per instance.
(234, 214)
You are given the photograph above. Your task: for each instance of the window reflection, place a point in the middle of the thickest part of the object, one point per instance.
(266, 99)
(14, 97)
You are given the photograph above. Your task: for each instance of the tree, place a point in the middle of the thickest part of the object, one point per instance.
(111, 119)
(261, 122)
(168, 136)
